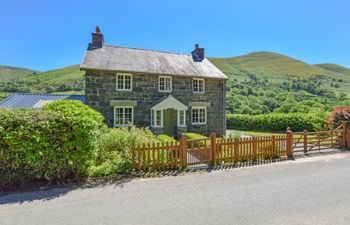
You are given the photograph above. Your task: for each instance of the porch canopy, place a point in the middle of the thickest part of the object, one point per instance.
(168, 102)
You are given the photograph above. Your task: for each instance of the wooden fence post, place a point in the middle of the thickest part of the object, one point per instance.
(184, 151)
(213, 147)
(305, 141)
(289, 142)
(273, 148)
(344, 133)
(133, 156)
(236, 149)
(255, 147)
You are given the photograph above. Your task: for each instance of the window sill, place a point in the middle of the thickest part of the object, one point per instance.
(156, 127)
(121, 126)
(164, 91)
(195, 124)
(128, 90)
(198, 92)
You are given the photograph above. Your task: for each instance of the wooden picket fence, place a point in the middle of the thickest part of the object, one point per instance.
(157, 156)
(250, 148)
(212, 150)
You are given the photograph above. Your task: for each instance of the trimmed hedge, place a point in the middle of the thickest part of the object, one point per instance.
(58, 142)
(275, 122)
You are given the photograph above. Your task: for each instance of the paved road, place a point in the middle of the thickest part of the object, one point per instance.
(313, 190)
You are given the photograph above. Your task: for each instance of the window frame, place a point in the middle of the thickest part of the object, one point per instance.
(171, 84)
(178, 118)
(154, 113)
(114, 116)
(117, 81)
(205, 115)
(198, 79)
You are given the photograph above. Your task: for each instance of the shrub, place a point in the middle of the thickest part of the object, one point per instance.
(163, 138)
(275, 122)
(48, 144)
(114, 155)
(338, 115)
(196, 136)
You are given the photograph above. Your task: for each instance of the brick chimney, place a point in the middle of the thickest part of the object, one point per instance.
(198, 54)
(97, 38)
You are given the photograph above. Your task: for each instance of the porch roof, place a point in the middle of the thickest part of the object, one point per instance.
(168, 102)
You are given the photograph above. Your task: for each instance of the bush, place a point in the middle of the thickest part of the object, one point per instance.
(114, 155)
(163, 138)
(58, 142)
(275, 122)
(196, 136)
(338, 115)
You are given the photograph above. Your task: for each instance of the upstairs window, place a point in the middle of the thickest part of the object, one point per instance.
(199, 115)
(198, 85)
(165, 84)
(123, 116)
(124, 82)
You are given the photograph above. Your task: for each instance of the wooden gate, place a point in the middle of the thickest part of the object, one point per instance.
(305, 142)
(199, 150)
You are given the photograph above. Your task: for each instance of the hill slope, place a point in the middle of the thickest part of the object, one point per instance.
(67, 79)
(8, 73)
(334, 68)
(280, 68)
(270, 65)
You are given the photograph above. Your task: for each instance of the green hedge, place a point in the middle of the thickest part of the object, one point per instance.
(58, 142)
(275, 122)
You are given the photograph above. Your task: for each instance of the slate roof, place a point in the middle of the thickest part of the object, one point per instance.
(29, 100)
(125, 59)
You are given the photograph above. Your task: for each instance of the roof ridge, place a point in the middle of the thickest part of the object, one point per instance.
(149, 50)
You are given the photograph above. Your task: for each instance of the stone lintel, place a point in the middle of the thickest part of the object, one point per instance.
(199, 104)
(122, 103)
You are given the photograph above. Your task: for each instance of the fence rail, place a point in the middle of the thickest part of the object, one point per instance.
(215, 151)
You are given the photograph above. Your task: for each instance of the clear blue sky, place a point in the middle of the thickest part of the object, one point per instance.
(50, 34)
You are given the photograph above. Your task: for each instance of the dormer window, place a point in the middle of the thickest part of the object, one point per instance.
(198, 85)
(123, 82)
(165, 84)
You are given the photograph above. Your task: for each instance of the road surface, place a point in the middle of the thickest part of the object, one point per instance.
(314, 190)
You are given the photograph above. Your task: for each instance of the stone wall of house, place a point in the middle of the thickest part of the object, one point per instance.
(100, 91)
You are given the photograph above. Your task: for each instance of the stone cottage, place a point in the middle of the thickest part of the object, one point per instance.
(169, 92)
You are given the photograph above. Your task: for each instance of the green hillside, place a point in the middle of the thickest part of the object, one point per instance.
(271, 65)
(334, 68)
(264, 82)
(8, 73)
(279, 68)
(67, 79)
